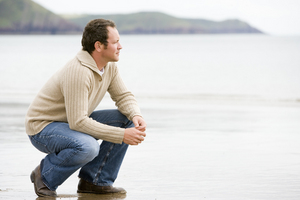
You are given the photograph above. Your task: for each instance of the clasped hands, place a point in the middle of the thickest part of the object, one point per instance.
(135, 135)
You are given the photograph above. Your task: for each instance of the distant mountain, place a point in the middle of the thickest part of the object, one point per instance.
(160, 23)
(27, 17)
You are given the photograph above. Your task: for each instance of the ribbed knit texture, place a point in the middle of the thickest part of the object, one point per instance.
(74, 92)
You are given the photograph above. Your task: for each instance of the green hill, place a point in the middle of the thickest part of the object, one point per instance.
(159, 23)
(27, 17)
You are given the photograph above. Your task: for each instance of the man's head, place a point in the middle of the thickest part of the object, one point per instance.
(96, 30)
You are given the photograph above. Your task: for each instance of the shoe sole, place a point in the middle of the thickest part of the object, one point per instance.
(94, 192)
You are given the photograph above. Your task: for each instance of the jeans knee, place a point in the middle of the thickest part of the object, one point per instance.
(112, 118)
(86, 152)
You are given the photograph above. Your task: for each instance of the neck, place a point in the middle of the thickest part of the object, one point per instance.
(99, 62)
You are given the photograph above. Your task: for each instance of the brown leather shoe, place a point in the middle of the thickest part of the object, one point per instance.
(39, 187)
(86, 187)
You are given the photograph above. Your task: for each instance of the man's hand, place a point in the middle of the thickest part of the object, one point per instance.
(134, 136)
(139, 121)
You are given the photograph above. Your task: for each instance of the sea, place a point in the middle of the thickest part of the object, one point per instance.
(223, 115)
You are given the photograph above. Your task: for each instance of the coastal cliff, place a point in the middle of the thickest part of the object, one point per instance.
(28, 17)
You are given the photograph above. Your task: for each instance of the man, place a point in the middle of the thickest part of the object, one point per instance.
(61, 120)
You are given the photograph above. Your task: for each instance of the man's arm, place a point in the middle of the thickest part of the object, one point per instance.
(126, 103)
(123, 98)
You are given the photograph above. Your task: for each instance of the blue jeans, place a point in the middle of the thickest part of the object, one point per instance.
(69, 150)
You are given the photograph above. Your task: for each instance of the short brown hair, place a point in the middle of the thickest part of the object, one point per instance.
(95, 30)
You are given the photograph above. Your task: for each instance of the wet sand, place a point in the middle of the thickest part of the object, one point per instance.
(193, 150)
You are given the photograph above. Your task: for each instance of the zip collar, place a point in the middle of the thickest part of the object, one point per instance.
(87, 60)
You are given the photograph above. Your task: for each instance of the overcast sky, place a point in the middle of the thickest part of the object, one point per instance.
(275, 17)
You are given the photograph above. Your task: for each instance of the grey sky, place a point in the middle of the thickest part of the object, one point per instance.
(276, 17)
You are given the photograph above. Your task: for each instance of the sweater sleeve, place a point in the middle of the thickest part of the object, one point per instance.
(123, 98)
(75, 85)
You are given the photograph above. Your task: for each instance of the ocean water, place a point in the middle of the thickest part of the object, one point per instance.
(219, 65)
(223, 114)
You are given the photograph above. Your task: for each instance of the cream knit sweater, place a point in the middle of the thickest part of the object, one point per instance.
(74, 92)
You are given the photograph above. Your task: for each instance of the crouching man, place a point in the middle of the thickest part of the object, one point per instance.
(62, 121)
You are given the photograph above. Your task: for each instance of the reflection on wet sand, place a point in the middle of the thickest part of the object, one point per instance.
(85, 196)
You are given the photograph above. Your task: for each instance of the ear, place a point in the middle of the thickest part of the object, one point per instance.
(98, 46)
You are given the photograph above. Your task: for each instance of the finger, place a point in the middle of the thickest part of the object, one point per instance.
(143, 134)
(141, 128)
(134, 142)
(141, 138)
(143, 123)
(138, 141)
(135, 122)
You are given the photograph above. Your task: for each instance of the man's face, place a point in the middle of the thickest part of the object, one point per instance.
(112, 51)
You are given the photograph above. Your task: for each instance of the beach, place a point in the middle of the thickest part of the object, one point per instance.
(212, 134)
(219, 150)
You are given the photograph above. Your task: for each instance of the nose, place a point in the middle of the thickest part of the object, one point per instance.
(119, 46)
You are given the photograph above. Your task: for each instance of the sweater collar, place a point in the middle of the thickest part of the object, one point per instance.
(87, 60)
